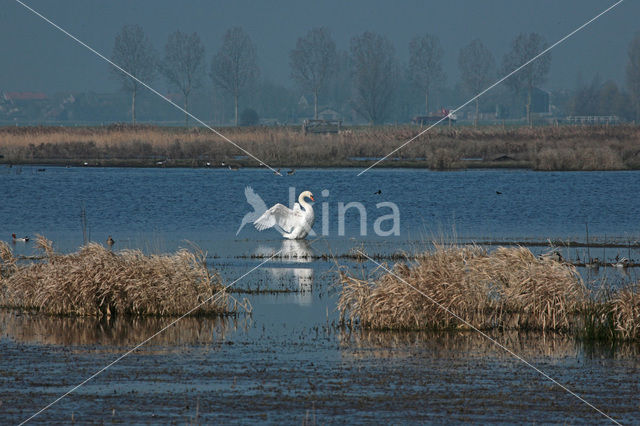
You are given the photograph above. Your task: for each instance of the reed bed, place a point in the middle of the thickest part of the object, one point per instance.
(95, 281)
(542, 148)
(613, 315)
(507, 289)
(625, 312)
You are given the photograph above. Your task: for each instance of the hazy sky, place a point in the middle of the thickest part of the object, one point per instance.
(35, 56)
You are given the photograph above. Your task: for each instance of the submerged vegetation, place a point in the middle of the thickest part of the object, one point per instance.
(508, 289)
(541, 148)
(95, 281)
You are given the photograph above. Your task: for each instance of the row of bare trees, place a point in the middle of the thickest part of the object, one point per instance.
(233, 67)
(315, 63)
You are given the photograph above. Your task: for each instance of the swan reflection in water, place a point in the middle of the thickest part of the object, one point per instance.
(292, 252)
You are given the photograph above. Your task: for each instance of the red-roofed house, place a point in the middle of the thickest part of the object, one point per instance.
(24, 96)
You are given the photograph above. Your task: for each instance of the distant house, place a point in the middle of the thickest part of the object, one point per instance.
(22, 105)
(23, 96)
(303, 102)
(329, 114)
(540, 101)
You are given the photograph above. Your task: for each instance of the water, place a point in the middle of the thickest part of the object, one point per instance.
(206, 205)
(287, 362)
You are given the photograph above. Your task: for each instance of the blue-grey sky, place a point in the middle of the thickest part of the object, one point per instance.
(35, 56)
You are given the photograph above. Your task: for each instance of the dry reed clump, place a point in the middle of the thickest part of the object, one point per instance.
(579, 158)
(532, 292)
(96, 281)
(619, 316)
(509, 288)
(7, 260)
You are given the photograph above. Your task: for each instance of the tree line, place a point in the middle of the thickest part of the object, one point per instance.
(368, 78)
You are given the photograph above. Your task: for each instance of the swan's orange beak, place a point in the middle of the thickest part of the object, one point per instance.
(311, 196)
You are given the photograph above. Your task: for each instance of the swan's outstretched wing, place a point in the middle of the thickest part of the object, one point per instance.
(255, 200)
(280, 216)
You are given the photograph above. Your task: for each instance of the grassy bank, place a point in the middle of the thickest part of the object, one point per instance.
(507, 289)
(540, 148)
(98, 282)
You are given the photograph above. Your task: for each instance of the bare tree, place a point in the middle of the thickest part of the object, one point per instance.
(133, 52)
(633, 74)
(425, 65)
(339, 86)
(235, 66)
(374, 75)
(523, 48)
(313, 62)
(183, 64)
(477, 67)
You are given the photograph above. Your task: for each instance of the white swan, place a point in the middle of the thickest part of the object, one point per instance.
(292, 224)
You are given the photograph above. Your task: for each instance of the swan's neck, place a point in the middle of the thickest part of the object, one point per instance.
(303, 204)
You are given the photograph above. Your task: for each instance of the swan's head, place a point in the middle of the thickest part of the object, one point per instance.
(306, 194)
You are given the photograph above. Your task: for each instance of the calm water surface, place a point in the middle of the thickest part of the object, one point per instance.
(287, 362)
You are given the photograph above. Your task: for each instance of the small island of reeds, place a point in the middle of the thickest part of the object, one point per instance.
(507, 289)
(96, 281)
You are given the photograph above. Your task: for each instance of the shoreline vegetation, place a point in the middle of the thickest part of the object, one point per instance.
(503, 289)
(548, 148)
(96, 281)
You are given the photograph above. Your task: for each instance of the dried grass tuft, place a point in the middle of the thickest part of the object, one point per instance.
(509, 288)
(624, 312)
(96, 281)
(7, 260)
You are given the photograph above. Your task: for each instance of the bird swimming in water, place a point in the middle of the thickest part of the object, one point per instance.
(378, 192)
(19, 240)
(291, 172)
(110, 241)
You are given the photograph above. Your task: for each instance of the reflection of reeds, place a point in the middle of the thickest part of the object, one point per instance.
(467, 344)
(114, 331)
(544, 148)
(508, 288)
(96, 281)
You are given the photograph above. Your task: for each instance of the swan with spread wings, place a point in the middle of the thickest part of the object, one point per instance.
(293, 224)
